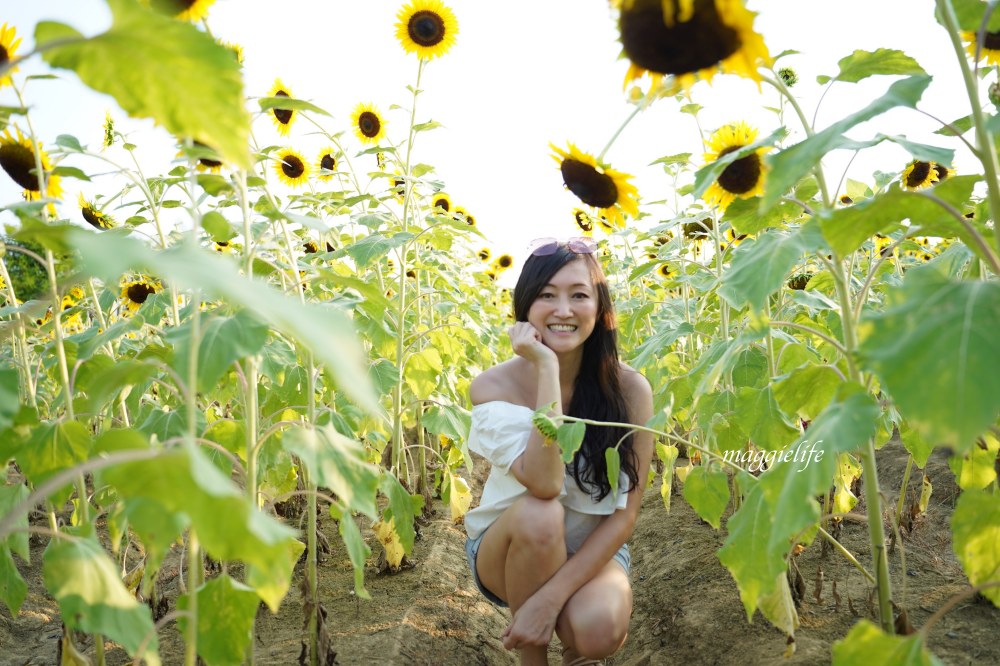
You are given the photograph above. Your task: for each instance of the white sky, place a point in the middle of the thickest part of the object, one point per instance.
(521, 76)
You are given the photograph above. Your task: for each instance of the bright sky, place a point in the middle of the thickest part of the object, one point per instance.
(523, 73)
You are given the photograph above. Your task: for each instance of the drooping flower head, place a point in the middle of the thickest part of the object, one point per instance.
(93, 216)
(9, 41)
(17, 157)
(291, 168)
(583, 221)
(943, 172)
(990, 47)
(918, 175)
(184, 10)
(442, 201)
(207, 158)
(283, 118)
(690, 39)
(597, 184)
(743, 178)
(327, 163)
(484, 254)
(368, 123)
(427, 28)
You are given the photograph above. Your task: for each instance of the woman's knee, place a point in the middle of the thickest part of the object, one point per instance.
(538, 522)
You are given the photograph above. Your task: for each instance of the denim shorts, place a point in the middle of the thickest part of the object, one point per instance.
(622, 557)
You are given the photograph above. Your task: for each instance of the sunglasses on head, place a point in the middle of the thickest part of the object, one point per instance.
(542, 247)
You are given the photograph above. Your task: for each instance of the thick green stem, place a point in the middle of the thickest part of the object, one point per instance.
(193, 583)
(21, 341)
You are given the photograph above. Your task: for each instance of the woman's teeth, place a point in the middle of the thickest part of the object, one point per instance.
(562, 327)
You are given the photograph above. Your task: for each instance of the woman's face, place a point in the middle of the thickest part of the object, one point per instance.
(565, 311)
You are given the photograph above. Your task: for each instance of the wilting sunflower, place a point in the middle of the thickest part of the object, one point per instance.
(484, 254)
(327, 164)
(94, 217)
(291, 168)
(183, 10)
(743, 178)
(135, 292)
(597, 185)
(942, 172)
(368, 123)
(9, 42)
(503, 262)
(427, 28)
(991, 46)
(583, 221)
(918, 175)
(17, 157)
(690, 39)
(442, 201)
(283, 118)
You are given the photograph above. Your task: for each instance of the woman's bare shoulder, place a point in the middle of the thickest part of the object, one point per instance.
(497, 383)
(634, 384)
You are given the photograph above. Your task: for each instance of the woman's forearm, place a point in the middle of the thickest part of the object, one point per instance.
(540, 469)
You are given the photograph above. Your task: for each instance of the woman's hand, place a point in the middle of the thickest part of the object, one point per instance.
(533, 624)
(527, 343)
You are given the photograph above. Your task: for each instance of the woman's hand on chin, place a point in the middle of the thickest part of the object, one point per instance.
(526, 341)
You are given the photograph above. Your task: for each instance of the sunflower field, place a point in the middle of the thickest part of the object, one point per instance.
(201, 366)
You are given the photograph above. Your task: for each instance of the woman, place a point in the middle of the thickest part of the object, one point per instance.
(548, 539)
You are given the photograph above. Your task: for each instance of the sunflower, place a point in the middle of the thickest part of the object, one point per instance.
(605, 224)
(666, 271)
(698, 229)
(991, 46)
(327, 164)
(503, 262)
(235, 49)
(484, 254)
(9, 42)
(743, 178)
(207, 159)
(846, 200)
(109, 131)
(597, 185)
(690, 39)
(17, 157)
(397, 185)
(583, 221)
(368, 123)
(380, 160)
(942, 172)
(222, 247)
(882, 243)
(310, 247)
(135, 292)
(442, 201)
(731, 238)
(183, 10)
(283, 118)
(918, 175)
(94, 217)
(463, 215)
(291, 168)
(427, 28)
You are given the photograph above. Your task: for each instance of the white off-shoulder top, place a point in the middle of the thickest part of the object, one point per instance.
(499, 433)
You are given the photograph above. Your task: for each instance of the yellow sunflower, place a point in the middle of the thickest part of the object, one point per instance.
(605, 224)
(990, 50)
(183, 10)
(94, 217)
(731, 239)
(881, 243)
(283, 118)
(918, 175)
(666, 271)
(442, 201)
(17, 157)
(380, 160)
(291, 168)
(503, 262)
(583, 221)
(427, 28)
(9, 42)
(135, 291)
(743, 178)
(397, 185)
(690, 39)
(223, 247)
(235, 49)
(327, 164)
(484, 254)
(942, 172)
(368, 123)
(597, 185)
(207, 158)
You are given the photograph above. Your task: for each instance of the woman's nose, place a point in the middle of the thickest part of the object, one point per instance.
(563, 308)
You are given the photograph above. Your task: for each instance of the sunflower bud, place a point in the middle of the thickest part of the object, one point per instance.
(994, 94)
(788, 76)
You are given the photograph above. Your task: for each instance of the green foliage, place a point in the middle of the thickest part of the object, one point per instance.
(760, 267)
(976, 528)
(867, 644)
(707, 491)
(862, 64)
(226, 612)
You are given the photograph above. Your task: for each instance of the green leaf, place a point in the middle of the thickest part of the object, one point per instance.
(226, 612)
(10, 397)
(758, 415)
(423, 371)
(10, 497)
(792, 163)
(325, 331)
(970, 15)
(806, 391)
(159, 68)
(52, 448)
(656, 344)
(570, 436)
(913, 442)
(107, 378)
(709, 173)
(977, 469)
(70, 172)
(746, 218)
(922, 151)
(223, 341)
(385, 375)
(402, 509)
(375, 246)
(614, 464)
(975, 527)
(357, 550)
(157, 527)
(338, 463)
(13, 589)
(453, 422)
(92, 597)
(760, 266)
(667, 453)
(289, 104)
(935, 348)
(866, 644)
(707, 491)
(862, 64)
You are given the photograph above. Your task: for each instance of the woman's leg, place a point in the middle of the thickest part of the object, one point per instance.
(594, 622)
(520, 552)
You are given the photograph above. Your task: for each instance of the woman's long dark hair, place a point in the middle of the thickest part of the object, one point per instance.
(597, 392)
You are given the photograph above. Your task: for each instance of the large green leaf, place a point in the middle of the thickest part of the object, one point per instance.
(453, 422)
(975, 526)
(159, 68)
(792, 163)
(338, 463)
(52, 448)
(745, 216)
(760, 266)
(970, 15)
(226, 612)
(402, 509)
(157, 527)
(423, 372)
(936, 349)
(10, 400)
(806, 391)
(707, 491)
(92, 597)
(862, 64)
(656, 345)
(357, 550)
(10, 497)
(222, 342)
(325, 331)
(867, 644)
(13, 589)
(759, 416)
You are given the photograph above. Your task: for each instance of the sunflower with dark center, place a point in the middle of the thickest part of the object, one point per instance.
(484, 254)
(503, 262)
(442, 201)
(310, 247)
(846, 200)
(135, 292)
(207, 159)
(918, 175)
(223, 247)
(690, 39)
(427, 28)
(327, 164)
(698, 228)
(942, 172)
(291, 168)
(583, 220)
(283, 118)
(17, 157)
(666, 271)
(368, 123)
(799, 281)
(990, 47)
(183, 10)
(397, 185)
(94, 217)
(597, 184)
(732, 238)
(9, 42)
(882, 244)
(743, 178)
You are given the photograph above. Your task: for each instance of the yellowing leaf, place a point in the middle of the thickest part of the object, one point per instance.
(848, 469)
(667, 453)
(386, 533)
(975, 527)
(460, 497)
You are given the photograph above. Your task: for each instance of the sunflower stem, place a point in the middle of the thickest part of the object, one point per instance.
(20, 343)
(628, 119)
